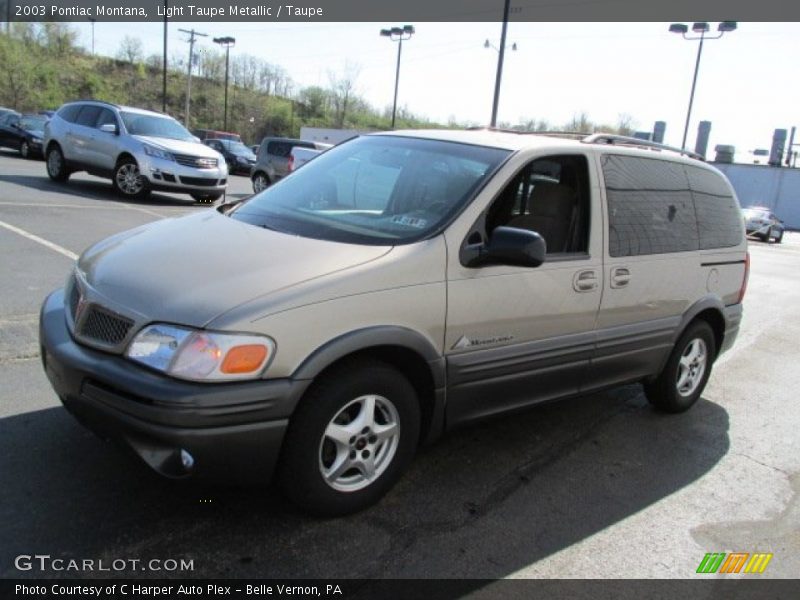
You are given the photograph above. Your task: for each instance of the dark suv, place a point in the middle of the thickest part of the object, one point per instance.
(239, 157)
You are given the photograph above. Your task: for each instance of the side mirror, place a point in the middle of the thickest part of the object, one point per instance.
(109, 128)
(507, 246)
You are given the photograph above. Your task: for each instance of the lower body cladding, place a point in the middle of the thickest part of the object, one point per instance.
(229, 432)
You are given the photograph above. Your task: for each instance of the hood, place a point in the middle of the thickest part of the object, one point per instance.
(178, 146)
(192, 269)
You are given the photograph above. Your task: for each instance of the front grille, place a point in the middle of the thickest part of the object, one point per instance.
(74, 297)
(103, 326)
(199, 181)
(198, 162)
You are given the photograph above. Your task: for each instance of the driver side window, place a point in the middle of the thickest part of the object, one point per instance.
(550, 196)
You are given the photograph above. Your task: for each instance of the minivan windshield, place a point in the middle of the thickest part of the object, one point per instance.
(381, 190)
(155, 126)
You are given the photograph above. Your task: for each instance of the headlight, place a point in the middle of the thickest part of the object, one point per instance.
(157, 152)
(201, 355)
(36, 140)
(241, 159)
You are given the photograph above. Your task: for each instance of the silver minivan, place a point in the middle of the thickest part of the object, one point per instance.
(396, 287)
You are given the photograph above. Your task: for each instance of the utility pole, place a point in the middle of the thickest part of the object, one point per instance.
(192, 35)
(92, 22)
(164, 66)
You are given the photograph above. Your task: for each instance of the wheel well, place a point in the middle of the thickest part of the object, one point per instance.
(124, 156)
(51, 145)
(717, 323)
(260, 172)
(410, 364)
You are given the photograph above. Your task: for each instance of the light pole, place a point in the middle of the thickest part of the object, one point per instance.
(702, 28)
(226, 42)
(192, 34)
(398, 34)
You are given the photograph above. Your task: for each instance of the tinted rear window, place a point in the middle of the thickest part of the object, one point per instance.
(650, 207)
(88, 115)
(69, 112)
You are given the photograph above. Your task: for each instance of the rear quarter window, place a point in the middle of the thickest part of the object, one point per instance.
(650, 206)
(719, 218)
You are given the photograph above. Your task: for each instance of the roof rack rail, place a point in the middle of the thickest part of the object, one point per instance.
(566, 134)
(624, 140)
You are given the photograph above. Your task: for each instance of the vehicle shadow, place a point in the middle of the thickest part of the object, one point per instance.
(483, 503)
(98, 189)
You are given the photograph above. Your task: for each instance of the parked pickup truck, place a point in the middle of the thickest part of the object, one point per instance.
(300, 156)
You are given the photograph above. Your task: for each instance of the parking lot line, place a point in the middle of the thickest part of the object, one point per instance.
(39, 240)
(92, 206)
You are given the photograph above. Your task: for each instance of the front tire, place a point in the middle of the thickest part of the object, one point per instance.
(56, 165)
(128, 180)
(350, 439)
(779, 238)
(765, 236)
(684, 377)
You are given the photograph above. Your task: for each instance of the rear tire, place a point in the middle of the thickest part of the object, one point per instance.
(260, 182)
(24, 150)
(353, 434)
(686, 373)
(56, 165)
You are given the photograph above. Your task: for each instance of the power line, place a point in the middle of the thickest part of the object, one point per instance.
(192, 36)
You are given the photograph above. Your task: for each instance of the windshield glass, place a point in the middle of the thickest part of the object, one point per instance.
(752, 213)
(32, 123)
(141, 124)
(381, 190)
(237, 148)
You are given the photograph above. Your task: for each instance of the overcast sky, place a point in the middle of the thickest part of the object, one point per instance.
(747, 85)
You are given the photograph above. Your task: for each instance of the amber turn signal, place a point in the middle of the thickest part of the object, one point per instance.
(244, 359)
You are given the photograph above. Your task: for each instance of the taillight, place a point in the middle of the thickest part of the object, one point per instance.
(291, 163)
(743, 289)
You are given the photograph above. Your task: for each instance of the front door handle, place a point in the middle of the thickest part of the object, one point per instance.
(620, 277)
(584, 281)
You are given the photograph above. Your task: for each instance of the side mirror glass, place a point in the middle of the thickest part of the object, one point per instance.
(507, 246)
(108, 128)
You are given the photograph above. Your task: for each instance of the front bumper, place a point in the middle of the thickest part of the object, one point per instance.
(232, 431)
(170, 176)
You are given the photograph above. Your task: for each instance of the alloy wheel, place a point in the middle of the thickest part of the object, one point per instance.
(359, 443)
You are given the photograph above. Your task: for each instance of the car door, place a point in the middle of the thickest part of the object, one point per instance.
(278, 158)
(520, 335)
(10, 136)
(652, 267)
(104, 146)
(82, 135)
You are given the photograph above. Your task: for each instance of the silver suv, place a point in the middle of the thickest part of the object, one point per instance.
(397, 286)
(272, 160)
(139, 150)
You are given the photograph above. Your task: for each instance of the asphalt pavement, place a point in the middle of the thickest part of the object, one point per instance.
(600, 486)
